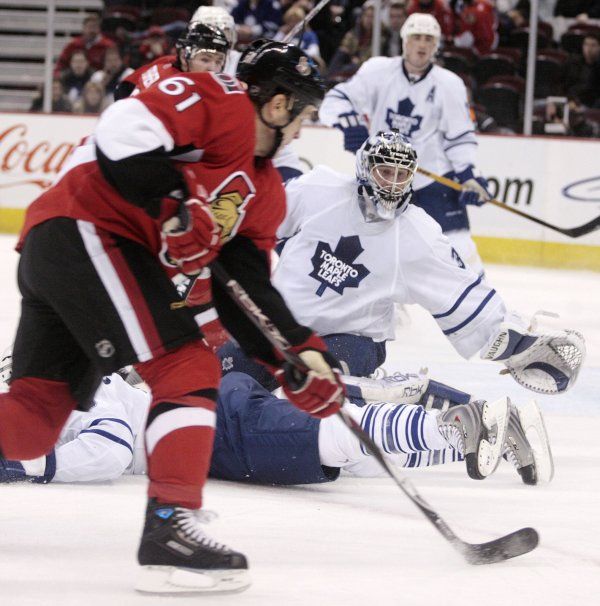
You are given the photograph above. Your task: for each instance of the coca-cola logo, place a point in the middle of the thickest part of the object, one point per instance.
(30, 161)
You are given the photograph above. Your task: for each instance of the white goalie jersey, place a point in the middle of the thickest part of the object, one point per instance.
(432, 112)
(341, 274)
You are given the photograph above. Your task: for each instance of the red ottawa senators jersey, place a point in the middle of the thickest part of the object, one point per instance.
(151, 73)
(205, 120)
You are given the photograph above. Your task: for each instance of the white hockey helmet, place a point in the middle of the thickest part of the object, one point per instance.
(421, 23)
(385, 168)
(217, 17)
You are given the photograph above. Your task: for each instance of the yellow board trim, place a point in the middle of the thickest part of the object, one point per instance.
(542, 254)
(11, 220)
(492, 250)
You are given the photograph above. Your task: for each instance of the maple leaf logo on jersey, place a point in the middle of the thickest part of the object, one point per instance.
(402, 119)
(336, 269)
(228, 203)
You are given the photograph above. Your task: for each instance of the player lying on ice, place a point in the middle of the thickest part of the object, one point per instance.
(356, 246)
(264, 439)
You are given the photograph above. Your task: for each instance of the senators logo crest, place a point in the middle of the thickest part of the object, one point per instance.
(228, 203)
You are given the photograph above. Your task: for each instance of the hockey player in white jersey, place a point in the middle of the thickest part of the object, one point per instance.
(357, 246)
(427, 104)
(417, 422)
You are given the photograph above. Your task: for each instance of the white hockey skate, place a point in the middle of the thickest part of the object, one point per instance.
(478, 431)
(527, 445)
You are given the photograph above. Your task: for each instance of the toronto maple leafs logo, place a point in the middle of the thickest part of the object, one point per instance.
(336, 269)
(402, 120)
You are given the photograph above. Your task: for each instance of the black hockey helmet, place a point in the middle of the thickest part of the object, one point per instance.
(270, 67)
(201, 37)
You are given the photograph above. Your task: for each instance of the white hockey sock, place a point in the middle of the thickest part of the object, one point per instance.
(400, 429)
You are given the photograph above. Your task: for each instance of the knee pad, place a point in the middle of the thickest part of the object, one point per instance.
(190, 368)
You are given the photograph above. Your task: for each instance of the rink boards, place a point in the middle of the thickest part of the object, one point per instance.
(555, 179)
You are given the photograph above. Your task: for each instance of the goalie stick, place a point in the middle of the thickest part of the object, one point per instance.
(509, 546)
(572, 232)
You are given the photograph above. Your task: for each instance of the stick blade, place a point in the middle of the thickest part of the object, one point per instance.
(509, 546)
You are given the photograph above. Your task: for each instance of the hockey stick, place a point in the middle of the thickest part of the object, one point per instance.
(302, 24)
(573, 232)
(509, 546)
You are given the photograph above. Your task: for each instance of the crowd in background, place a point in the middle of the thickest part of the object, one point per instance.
(478, 36)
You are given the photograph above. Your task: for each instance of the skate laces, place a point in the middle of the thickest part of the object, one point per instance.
(191, 522)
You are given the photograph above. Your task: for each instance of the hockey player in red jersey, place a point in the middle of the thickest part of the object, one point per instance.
(96, 297)
(200, 48)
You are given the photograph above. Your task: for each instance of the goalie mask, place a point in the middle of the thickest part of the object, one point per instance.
(385, 168)
(201, 38)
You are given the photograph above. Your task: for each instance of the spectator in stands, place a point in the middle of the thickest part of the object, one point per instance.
(76, 76)
(440, 10)
(397, 15)
(91, 101)
(476, 25)
(257, 19)
(114, 71)
(330, 25)
(581, 9)
(91, 42)
(156, 44)
(583, 72)
(580, 126)
(355, 47)
(60, 101)
(309, 42)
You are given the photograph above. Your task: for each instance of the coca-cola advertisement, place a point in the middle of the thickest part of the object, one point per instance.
(33, 149)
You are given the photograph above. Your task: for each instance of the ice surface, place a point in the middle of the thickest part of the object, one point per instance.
(355, 541)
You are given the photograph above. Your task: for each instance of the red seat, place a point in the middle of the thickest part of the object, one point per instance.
(503, 102)
(516, 82)
(491, 65)
(456, 62)
(519, 38)
(549, 75)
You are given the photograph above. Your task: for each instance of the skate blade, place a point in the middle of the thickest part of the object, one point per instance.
(488, 454)
(174, 580)
(533, 425)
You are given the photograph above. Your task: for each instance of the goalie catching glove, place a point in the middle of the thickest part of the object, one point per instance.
(319, 390)
(542, 362)
(192, 237)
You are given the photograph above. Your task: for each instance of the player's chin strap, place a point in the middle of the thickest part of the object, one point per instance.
(278, 134)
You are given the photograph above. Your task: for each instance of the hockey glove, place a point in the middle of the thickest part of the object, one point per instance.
(319, 391)
(192, 237)
(545, 363)
(197, 292)
(354, 129)
(475, 189)
(194, 291)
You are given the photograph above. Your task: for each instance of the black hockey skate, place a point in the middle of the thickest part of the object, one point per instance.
(477, 430)
(177, 556)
